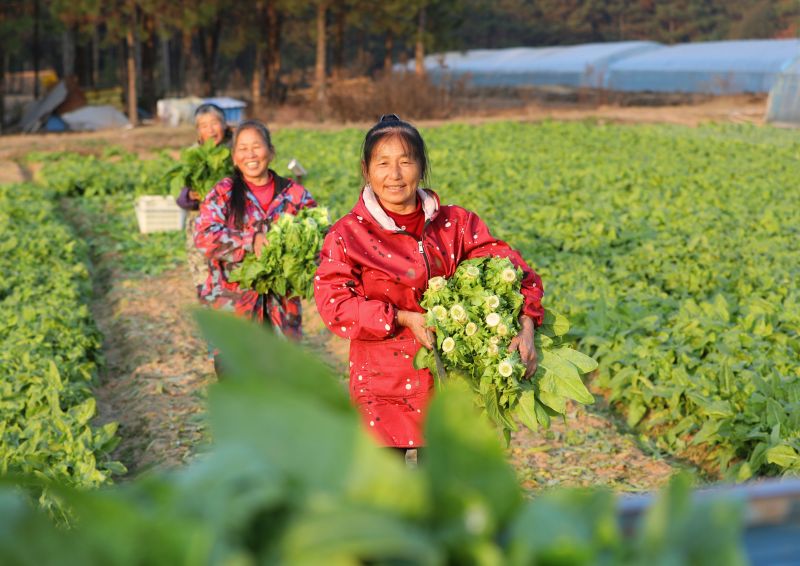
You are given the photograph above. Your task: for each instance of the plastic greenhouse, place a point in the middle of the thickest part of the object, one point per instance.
(716, 67)
(573, 66)
(784, 98)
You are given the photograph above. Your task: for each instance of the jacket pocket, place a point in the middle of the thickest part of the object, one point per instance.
(387, 371)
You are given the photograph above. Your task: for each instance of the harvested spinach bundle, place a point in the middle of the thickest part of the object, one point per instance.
(475, 314)
(200, 168)
(289, 260)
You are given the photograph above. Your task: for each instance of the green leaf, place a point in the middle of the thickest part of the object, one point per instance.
(584, 363)
(526, 410)
(542, 415)
(555, 323)
(784, 456)
(466, 465)
(356, 536)
(553, 400)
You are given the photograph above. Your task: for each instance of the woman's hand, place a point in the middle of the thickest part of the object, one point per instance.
(194, 195)
(524, 343)
(415, 322)
(259, 241)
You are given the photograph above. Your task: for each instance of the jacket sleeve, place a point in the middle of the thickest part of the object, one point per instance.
(185, 201)
(214, 237)
(305, 199)
(339, 294)
(479, 242)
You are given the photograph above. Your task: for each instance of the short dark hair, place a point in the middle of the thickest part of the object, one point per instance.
(210, 108)
(391, 125)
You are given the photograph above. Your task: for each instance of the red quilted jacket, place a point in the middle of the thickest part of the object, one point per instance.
(369, 269)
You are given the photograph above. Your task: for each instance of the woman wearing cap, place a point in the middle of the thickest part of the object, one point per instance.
(233, 219)
(375, 265)
(209, 121)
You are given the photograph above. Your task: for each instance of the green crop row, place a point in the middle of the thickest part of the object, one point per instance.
(49, 348)
(114, 171)
(102, 190)
(674, 251)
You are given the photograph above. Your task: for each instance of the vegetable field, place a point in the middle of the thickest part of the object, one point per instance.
(674, 252)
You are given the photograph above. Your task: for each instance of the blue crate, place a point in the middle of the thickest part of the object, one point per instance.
(232, 108)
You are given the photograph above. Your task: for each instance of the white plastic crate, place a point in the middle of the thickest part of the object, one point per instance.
(158, 214)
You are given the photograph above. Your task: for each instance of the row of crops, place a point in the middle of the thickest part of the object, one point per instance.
(49, 345)
(673, 251)
(49, 348)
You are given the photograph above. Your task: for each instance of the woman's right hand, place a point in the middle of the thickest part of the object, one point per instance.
(415, 322)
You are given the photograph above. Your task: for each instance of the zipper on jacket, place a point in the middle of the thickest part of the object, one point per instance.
(421, 247)
(425, 257)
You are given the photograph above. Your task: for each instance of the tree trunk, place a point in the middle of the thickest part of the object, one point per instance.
(338, 45)
(273, 59)
(186, 60)
(364, 58)
(95, 57)
(130, 55)
(149, 58)
(258, 66)
(209, 45)
(166, 67)
(83, 56)
(2, 84)
(36, 56)
(68, 52)
(419, 51)
(388, 45)
(319, 78)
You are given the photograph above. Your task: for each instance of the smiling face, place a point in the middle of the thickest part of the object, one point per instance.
(210, 127)
(394, 175)
(252, 155)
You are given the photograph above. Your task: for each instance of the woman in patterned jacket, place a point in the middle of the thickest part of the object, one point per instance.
(233, 219)
(374, 268)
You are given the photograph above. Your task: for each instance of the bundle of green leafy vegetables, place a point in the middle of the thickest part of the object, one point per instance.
(200, 168)
(289, 260)
(475, 314)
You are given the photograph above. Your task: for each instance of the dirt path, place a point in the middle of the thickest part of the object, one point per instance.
(155, 374)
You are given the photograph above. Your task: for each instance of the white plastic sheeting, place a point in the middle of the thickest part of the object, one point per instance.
(714, 67)
(573, 66)
(717, 67)
(784, 99)
(90, 118)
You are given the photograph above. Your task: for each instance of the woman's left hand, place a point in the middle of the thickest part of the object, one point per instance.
(259, 242)
(524, 343)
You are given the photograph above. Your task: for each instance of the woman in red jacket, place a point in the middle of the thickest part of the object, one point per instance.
(375, 265)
